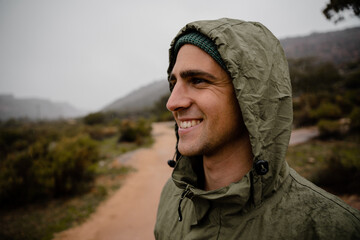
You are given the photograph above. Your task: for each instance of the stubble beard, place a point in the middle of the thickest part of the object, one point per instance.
(204, 147)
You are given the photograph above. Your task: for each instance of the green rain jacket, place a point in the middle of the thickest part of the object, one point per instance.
(277, 205)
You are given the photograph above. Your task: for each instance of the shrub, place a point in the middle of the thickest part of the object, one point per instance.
(303, 108)
(138, 131)
(18, 182)
(143, 127)
(127, 131)
(94, 118)
(46, 169)
(341, 172)
(159, 110)
(302, 118)
(166, 116)
(355, 118)
(73, 164)
(333, 165)
(326, 110)
(311, 75)
(352, 80)
(344, 104)
(100, 132)
(329, 128)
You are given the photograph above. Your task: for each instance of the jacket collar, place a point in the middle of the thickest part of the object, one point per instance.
(187, 176)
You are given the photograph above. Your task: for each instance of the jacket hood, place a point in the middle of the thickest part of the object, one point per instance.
(258, 68)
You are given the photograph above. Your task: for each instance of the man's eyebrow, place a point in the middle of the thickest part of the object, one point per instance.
(192, 73)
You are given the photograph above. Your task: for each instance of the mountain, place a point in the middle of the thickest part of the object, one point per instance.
(144, 97)
(33, 108)
(338, 47)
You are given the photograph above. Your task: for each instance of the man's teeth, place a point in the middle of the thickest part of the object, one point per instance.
(187, 124)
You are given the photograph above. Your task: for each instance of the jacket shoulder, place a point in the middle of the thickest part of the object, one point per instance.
(326, 213)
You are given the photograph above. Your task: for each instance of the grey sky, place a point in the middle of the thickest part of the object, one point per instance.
(91, 52)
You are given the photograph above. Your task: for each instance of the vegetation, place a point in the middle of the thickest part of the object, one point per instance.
(54, 174)
(333, 165)
(137, 131)
(338, 6)
(94, 118)
(61, 170)
(310, 75)
(161, 113)
(324, 97)
(327, 96)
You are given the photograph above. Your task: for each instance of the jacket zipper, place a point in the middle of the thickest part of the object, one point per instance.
(183, 195)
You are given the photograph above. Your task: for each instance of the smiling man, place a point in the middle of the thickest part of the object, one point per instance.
(208, 115)
(231, 99)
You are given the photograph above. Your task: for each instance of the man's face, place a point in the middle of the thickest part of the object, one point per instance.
(203, 103)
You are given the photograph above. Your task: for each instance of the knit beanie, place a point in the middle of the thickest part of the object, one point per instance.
(201, 41)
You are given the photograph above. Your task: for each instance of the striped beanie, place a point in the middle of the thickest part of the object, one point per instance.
(201, 41)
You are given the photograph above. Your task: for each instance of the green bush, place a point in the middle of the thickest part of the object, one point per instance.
(94, 118)
(328, 128)
(333, 165)
(166, 116)
(17, 180)
(341, 172)
(100, 132)
(311, 75)
(355, 118)
(326, 110)
(143, 127)
(159, 110)
(352, 80)
(304, 106)
(344, 103)
(127, 131)
(135, 131)
(47, 169)
(302, 118)
(73, 163)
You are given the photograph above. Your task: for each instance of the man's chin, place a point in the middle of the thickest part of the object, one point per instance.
(188, 151)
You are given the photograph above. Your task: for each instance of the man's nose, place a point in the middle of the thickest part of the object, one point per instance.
(179, 98)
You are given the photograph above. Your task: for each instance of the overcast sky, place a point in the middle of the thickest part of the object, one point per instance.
(91, 52)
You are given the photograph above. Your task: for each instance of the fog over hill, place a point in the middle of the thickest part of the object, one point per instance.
(144, 97)
(338, 47)
(33, 108)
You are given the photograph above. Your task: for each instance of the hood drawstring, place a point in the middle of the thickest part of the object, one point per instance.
(183, 195)
(172, 161)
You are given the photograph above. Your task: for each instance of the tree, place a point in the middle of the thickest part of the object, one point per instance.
(337, 6)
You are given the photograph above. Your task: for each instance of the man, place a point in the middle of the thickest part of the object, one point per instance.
(231, 99)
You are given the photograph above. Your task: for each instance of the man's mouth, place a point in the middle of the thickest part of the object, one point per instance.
(188, 124)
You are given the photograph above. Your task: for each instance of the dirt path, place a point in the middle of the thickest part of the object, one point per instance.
(303, 134)
(130, 213)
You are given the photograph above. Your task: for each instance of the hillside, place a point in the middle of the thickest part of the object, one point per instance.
(32, 108)
(338, 47)
(144, 97)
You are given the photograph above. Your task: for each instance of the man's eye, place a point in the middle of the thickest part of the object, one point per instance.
(197, 81)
